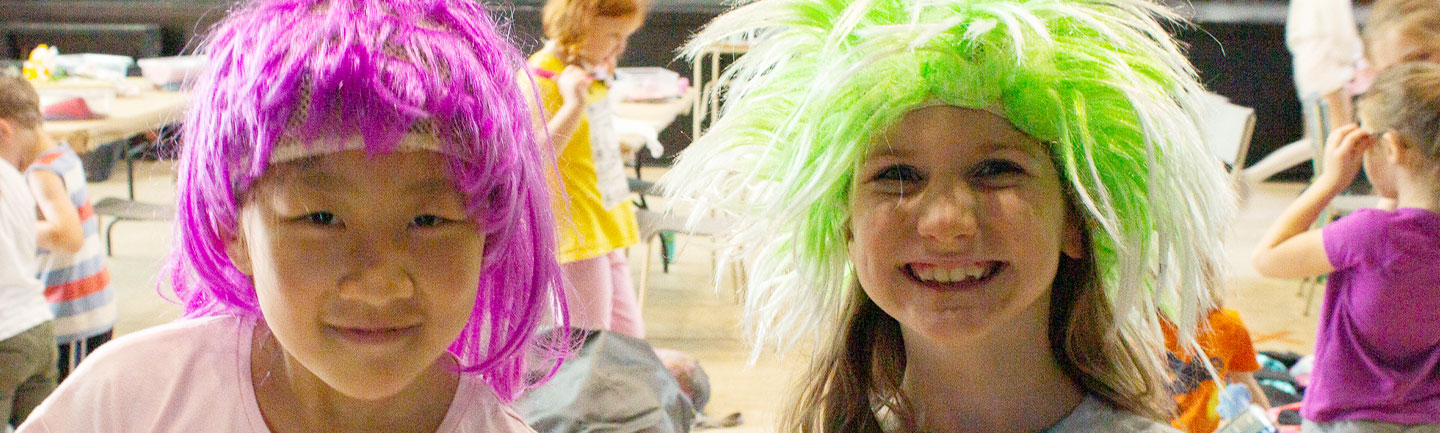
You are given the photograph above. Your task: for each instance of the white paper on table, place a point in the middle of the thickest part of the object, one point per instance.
(632, 131)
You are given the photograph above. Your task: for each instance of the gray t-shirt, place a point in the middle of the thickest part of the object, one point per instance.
(1094, 415)
(1091, 416)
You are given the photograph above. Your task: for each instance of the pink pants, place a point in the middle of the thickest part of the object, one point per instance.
(601, 296)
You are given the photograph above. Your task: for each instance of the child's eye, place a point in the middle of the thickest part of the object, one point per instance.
(427, 221)
(903, 173)
(996, 167)
(319, 218)
(896, 179)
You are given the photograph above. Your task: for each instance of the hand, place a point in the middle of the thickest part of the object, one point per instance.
(574, 85)
(1343, 156)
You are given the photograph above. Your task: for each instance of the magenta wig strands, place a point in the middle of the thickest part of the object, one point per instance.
(286, 70)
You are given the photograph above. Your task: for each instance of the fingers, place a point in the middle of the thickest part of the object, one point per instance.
(573, 72)
(1337, 135)
(1348, 141)
(1356, 140)
(1344, 150)
(574, 81)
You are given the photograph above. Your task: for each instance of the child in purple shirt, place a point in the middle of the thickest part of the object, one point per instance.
(1377, 355)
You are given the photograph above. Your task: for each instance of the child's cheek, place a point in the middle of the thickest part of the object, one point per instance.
(447, 255)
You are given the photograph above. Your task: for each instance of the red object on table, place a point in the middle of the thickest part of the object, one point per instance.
(69, 109)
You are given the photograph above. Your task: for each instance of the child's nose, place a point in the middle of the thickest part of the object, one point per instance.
(947, 214)
(377, 275)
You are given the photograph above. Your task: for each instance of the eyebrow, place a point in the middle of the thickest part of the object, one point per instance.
(429, 186)
(1040, 151)
(327, 182)
(886, 150)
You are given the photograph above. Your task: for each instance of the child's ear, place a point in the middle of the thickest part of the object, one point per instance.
(1392, 144)
(239, 253)
(1072, 240)
(1398, 152)
(7, 129)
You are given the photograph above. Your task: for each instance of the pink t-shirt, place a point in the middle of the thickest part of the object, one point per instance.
(1377, 353)
(194, 375)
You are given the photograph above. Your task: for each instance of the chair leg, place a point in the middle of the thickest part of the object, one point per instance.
(109, 252)
(667, 250)
(645, 273)
(1315, 285)
(737, 281)
(129, 172)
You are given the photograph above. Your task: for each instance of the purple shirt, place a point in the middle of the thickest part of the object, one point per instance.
(1377, 355)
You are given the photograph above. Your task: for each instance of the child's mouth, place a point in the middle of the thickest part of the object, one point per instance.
(375, 335)
(956, 277)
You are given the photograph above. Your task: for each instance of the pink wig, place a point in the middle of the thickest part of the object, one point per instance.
(375, 69)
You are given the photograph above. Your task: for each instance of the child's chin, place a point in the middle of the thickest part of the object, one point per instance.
(372, 386)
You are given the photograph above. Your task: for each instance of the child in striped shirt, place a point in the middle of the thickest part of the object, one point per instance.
(71, 259)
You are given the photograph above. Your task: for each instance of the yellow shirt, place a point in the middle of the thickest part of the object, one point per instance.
(586, 229)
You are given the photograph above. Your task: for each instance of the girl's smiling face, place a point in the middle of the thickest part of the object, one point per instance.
(605, 40)
(366, 268)
(958, 223)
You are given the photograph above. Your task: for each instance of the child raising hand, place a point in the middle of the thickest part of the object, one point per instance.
(363, 239)
(1377, 356)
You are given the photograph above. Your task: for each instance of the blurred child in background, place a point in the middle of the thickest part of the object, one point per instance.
(595, 218)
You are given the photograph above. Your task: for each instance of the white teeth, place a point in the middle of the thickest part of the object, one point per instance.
(951, 275)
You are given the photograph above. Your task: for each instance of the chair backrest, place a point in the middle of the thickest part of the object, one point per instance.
(1226, 129)
(1317, 113)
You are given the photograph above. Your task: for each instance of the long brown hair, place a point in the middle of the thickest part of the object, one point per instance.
(858, 370)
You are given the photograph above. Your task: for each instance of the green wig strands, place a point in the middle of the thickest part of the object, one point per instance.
(1101, 80)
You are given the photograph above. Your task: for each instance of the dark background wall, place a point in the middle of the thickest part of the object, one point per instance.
(1238, 47)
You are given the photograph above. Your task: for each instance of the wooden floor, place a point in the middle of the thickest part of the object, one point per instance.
(683, 311)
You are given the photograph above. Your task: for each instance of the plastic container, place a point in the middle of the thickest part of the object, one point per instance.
(98, 66)
(171, 72)
(647, 84)
(1252, 420)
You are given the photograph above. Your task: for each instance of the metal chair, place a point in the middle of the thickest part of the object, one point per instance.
(1226, 129)
(129, 209)
(652, 224)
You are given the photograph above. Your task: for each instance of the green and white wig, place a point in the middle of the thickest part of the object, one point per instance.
(1101, 81)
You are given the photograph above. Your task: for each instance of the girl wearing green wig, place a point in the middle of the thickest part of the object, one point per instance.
(978, 206)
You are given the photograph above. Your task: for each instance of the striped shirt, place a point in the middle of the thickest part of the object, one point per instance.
(77, 286)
